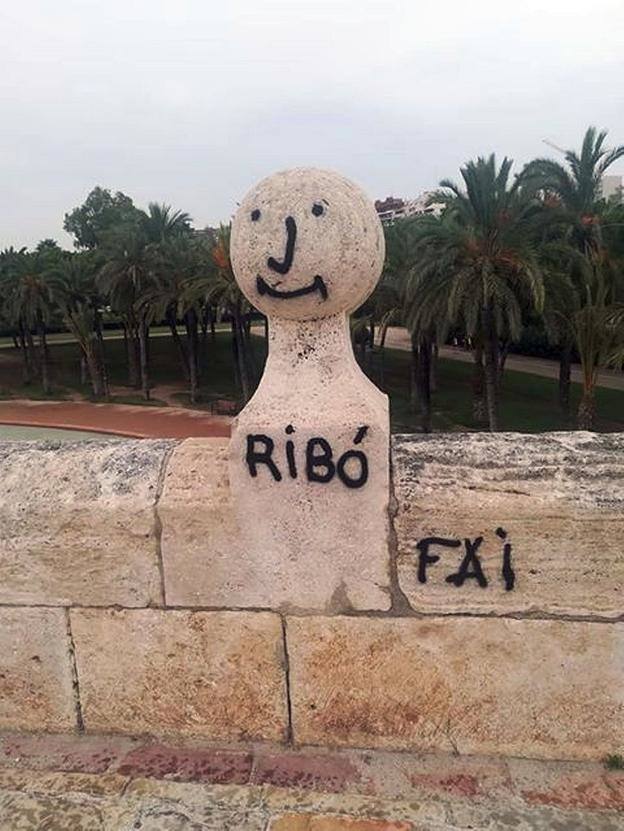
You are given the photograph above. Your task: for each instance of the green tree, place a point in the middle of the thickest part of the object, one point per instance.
(479, 263)
(73, 285)
(572, 192)
(101, 212)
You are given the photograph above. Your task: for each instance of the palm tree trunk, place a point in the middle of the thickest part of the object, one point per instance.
(421, 363)
(435, 354)
(491, 367)
(143, 336)
(30, 346)
(101, 362)
(43, 347)
(240, 355)
(191, 334)
(94, 369)
(586, 417)
(83, 369)
(502, 358)
(173, 328)
(479, 410)
(266, 328)
(131, 353)
(27, 369)
(565, 373)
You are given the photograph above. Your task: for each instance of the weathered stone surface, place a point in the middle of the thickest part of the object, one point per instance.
(209, 561)
(77, 522)
(549, 689)
(36, 690)
(308, 457)
(326, 822)
(202, 558)
(558, 496)
(209, 674)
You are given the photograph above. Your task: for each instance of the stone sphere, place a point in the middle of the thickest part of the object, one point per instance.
(306, 244)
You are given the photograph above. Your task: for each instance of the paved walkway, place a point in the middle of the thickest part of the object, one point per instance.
(121, 419)
(398, 338)
(84, 783)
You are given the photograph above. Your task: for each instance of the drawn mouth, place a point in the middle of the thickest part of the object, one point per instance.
(318, 284)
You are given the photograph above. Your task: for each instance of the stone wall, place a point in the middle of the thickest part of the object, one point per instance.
(492, 623)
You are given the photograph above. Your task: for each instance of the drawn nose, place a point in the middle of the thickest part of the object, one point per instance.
(283, 266)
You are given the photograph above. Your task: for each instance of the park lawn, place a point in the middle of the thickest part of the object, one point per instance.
(217, 380)
(528, 402)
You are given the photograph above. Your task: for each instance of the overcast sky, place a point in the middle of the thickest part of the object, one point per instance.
(190, 101)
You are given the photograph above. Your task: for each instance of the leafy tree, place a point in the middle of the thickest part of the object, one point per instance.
(100, 213)
(479, 263)
(73, 286)
(573, 194)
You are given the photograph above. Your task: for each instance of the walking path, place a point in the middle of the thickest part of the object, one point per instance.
(121, 419)
(398, 338)
(84, 783)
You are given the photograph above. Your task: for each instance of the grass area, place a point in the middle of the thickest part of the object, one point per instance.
(528, 402)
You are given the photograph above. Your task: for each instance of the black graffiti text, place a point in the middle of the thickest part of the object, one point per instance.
(470, 567)
(319, 463)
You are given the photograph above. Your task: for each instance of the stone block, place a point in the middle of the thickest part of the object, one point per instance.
(36, 688)
(542, 689)
(77, 522)
(207, 561)
(556, 500)
(207, 674)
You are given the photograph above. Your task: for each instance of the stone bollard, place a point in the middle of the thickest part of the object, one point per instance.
(309, 454)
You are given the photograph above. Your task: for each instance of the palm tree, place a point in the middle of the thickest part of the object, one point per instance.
(73, 286)
(125, 277)
(479, 263)
(573, 194)
(217, 286)
(161, 223)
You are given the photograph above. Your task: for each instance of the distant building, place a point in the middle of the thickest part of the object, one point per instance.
(392, 208)
(612, 187)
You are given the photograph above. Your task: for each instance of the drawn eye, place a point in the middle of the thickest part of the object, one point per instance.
(317, 209)
(255, 215)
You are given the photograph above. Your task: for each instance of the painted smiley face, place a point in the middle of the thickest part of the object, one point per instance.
(305, 244)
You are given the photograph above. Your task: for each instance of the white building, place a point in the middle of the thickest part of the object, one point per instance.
(392, 208)
(612, 186)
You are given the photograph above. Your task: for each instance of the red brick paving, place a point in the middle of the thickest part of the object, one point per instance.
(120, 419)
(564, 785)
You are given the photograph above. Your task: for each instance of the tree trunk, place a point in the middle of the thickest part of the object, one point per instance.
(213, 334)
(191, 334)
(421, 362)
(479, 410)
(84, 378)
(502, 358)
(43, 348)
(131, 352)
(240, 354)
(565, 374)
(27, 369)
(183, 357)
(587, 410)
(143, 336)
(266, 329)
(435, 354)
(90, 353)
(32, 355)
(491, 368)
(101, 362)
